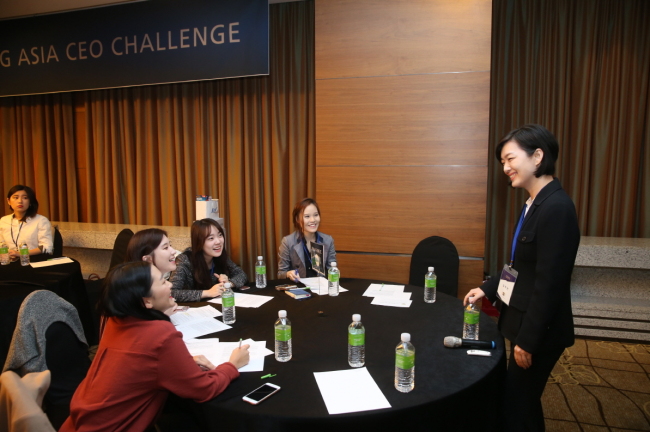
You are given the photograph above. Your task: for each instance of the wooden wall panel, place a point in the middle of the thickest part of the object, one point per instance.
(440, 119)
(390, 209)
(400, 37)
(395, 268)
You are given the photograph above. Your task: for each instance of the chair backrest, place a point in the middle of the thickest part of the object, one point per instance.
(20, 402)
(440, 253)
(57, 250)
(119, 247)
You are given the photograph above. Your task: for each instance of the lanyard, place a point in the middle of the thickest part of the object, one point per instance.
(514, 239)
(20, 227)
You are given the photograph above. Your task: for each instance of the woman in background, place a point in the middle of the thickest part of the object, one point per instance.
(141, 358)
(25, 225)
(536, 317)
(295, 249)
(203, 269)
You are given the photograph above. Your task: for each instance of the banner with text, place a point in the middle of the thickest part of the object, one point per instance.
(149, 42)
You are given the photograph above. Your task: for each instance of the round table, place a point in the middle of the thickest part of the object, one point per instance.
(17, 282)
(453, 391)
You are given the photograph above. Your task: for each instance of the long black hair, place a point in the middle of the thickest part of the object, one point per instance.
(123, 291)
(199, 232)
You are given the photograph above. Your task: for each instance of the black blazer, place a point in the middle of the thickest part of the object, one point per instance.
(539, 316)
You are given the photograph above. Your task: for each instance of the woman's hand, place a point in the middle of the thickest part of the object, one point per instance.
(172, 309)
(14, 254)
(221, 278)
(523, 358)
(240, 356)
(203, 363)
(473, 295)
(293, 275)
(215, 291)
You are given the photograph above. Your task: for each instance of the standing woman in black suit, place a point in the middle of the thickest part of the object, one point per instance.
(536, 313)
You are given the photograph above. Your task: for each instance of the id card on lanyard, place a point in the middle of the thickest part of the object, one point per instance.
(508, 274)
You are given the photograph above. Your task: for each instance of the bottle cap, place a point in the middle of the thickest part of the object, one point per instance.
(356, 317)
(282, 314)
(333, 264)
(227, 285)
(260, 258)
(430, 269)
(406, 337)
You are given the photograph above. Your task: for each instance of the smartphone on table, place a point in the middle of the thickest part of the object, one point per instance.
(261, 393)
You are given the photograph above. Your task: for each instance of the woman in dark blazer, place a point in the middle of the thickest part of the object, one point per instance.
(538, 319)
(295, 250)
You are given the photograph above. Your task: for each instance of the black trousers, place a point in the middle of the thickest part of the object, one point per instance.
(524, 387)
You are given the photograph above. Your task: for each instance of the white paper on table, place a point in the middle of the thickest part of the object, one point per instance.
(51, 262)
(395, 301)
(375, 290)
(219, 353)
(318, 285)
(200, 327)
(335, 389)
(246, 300)
(193, 314)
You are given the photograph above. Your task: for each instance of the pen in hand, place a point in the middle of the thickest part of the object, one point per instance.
(239, 343)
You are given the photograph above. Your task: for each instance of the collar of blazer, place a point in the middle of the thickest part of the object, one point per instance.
(546, 192)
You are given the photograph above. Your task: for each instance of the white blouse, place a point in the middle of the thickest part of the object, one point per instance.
(35, 231)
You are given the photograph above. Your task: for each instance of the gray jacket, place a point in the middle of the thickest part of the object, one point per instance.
(292, 257)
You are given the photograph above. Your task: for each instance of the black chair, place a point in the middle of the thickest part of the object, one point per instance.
(57, 250)
(119, 247)
(440, 253)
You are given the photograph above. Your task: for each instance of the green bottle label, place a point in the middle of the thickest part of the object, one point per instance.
(333, 277)
(356, 339)
(24, 251)
(228, 301)
(4, 250)
(404, 361)
(260, 270)
(430, 283)
(471, 317)
(283, 334)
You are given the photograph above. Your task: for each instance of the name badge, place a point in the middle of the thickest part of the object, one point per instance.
(507, 283)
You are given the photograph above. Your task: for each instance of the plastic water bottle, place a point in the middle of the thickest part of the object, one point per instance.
(283, 337)
(430, 282)
(405, 365)
(228, 303)
(356, 342)
(470, 321)
(24, 255)
(260, 273)
(4, 254)
(333, 276)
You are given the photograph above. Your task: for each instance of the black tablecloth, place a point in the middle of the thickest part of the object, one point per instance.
(453, 391)
(17, 282)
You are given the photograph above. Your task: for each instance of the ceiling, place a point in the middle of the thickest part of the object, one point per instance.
(22, 8)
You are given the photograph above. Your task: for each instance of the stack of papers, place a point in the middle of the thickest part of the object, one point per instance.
(196, 322)
(246, 300)
(388, 295)
(219, 352)
(318, 285)
(51, 262)
(335, 389)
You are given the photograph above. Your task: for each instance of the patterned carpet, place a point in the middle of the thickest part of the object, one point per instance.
(599, 386)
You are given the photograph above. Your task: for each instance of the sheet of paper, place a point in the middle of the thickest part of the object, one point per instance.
(395, 301)
(335, 390)
(318, 285)
(51, 262)
(219, 352)
(375, 290)
(193, 314)
(246, 300)
(201, 327)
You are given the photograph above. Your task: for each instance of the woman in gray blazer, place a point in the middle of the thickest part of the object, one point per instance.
(295, 250)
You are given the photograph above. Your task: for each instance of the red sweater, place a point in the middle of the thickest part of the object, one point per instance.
(137, 364)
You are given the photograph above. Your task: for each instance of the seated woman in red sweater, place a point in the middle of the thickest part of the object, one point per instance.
(141, 358)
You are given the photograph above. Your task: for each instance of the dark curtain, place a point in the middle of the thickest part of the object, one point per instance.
(582, 69)
(140, 155)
